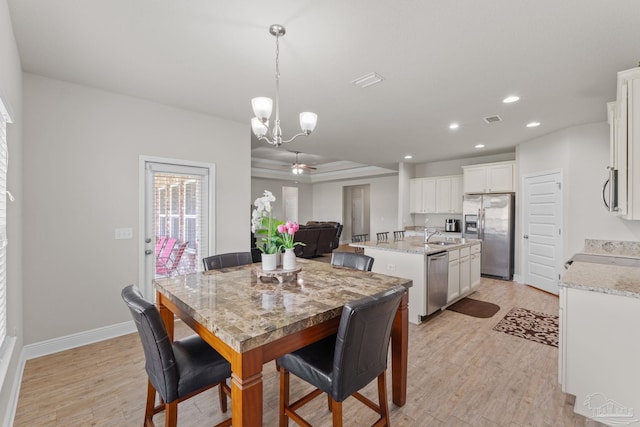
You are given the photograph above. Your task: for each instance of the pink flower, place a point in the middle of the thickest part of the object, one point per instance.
(281, 228)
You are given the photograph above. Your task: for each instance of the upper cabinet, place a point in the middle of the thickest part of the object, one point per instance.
(441, 194)
(624, 120)
(489, 178)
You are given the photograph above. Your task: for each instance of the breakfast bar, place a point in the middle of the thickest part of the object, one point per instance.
(251, 321)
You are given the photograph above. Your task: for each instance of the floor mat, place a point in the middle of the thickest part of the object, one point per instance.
(475, 308)
(530, 325)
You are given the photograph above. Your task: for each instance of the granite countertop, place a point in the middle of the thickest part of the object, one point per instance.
(245, 312)
(415, 245)
(602, 276)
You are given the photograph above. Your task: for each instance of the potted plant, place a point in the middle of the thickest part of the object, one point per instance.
(265, 227)
(286, 232)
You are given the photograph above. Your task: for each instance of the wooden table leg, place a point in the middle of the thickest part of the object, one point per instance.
(166, 314)
(400, 352)
(246, 388)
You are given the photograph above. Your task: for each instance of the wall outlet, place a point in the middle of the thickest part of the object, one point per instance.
(391, 267)
(124, 233)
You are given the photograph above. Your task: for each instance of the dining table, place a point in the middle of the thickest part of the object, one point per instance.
(251, 318)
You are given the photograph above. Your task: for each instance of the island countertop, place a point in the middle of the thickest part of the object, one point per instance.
(415, 245)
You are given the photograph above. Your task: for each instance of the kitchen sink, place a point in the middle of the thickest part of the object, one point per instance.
(441, 243)
(604, 259)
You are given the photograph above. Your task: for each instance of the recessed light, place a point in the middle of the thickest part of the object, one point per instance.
(408, 156)
(533, 124)
(454, 126)
(479, 146)
(510, 99)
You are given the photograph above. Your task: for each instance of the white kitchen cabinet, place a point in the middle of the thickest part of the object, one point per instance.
(465, 273)
(599, 352)
(624, 119)
(474, 265)
(453, 290)
(422, 193)
(436, 195)
(489, 178)
(449, 194)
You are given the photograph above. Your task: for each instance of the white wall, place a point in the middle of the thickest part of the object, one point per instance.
(11, 87)
(305, 197)
(582, 152)
(327, 202)
(81, 153)
(454, 167)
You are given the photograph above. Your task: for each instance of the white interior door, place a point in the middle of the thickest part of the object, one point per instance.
(542, 230)
(176, 218)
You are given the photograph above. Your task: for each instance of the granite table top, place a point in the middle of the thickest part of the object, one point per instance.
(600, 276)
(415, 245)
(246, 312)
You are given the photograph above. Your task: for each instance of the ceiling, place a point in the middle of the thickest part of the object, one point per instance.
(443, 61)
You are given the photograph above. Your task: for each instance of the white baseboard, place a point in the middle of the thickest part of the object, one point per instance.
(517, 278)
(68, 342)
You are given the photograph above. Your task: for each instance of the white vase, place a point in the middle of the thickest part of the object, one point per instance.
(289, 260)
(269, 262)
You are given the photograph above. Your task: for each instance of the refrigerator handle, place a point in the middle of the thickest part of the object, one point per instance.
(480, 225)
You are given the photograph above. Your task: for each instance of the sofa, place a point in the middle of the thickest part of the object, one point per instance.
(319, 237)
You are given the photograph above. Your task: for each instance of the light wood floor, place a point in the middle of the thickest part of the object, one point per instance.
(461, 373)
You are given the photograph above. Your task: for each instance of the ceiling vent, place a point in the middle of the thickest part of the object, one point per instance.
(493, 119)
(368, 80)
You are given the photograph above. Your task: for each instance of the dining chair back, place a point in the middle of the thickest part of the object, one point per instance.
(232, 259)
(383, 236)
(342, 364)
(176, 370)
(398, 235)
(352, 260)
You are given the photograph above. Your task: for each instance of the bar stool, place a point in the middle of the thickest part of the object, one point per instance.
(398, 235)
(359, 238)
(382, 237)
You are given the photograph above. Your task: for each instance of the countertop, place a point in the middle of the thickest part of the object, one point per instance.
(602, 277)
(415, 245)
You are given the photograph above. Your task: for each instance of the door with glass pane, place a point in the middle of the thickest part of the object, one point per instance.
(177, 220)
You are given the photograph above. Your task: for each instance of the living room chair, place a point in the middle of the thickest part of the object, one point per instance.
(177, 370)
(352, 260)
(231, 259)
(342, 364)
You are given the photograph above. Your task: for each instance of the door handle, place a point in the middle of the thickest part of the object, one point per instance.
(148, 252)
(526, 236)
(147, 240)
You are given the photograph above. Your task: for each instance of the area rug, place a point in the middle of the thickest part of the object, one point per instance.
(530, 325)
(474, 307)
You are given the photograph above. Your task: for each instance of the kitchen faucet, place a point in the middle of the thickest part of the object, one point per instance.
(428, 236)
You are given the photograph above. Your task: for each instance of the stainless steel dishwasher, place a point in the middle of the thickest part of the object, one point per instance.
(437, 281)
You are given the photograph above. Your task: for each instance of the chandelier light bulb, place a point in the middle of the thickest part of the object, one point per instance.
(262, 107)
(308, 121)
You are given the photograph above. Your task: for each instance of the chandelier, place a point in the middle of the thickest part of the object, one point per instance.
(262, 107)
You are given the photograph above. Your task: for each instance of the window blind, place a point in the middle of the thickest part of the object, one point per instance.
(3, 225)
(180, 221)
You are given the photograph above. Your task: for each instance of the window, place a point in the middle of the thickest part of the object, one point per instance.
(180, 216)
(4, 119)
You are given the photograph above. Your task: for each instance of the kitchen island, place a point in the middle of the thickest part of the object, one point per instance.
(599, 343)
(410, 258)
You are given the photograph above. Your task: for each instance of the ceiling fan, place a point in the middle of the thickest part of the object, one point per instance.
(298, 168)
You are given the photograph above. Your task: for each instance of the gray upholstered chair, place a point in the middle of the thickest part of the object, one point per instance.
(352, 260)
(177, 370)
(232, 259)
(342, 364)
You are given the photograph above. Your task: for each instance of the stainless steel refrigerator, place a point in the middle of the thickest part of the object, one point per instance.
(491, 218)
